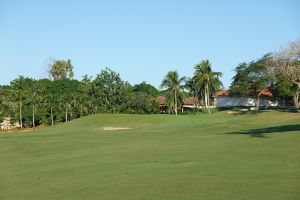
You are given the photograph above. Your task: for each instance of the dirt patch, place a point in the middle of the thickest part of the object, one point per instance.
(116, 128)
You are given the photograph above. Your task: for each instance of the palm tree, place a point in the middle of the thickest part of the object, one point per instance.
(34, 97)
(50, 102)
(19, 86)
(65, 105)
(81, 100)
(206, 80)
(173, 85)
(190, 86)
(73, 105)
(82, 95)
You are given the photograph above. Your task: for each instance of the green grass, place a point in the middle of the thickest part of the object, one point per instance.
(192, 157)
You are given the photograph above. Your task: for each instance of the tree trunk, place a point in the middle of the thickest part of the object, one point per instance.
(296, 95)
(257, 103)
(81, 109)
(21, 123)
(51, 114)
(175, 98)
(33, 112)
(208, 99)
(95, 109)
(66, 117)
(296, 98)
(205, 97)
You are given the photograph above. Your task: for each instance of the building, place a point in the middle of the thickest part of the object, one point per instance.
(224, 98)
(162, 104)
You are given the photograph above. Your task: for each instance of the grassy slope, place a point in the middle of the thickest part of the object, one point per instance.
(214, 156)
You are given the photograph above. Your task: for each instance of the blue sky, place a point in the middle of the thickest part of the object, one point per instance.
(142, 40)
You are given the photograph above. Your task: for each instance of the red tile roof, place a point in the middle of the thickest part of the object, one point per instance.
(222, 93)
(264, 92)
(191, 101)
(160, 100)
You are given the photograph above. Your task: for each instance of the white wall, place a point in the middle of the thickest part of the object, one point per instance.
(242, 101)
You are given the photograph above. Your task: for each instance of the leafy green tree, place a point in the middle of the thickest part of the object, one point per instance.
(61, 69)
(142, 98)
(206, 81)
(252, 79)
(173, 86)
(286, 90)
(55, 91)
(51, 93)
(82, 96)
(5, 102)
(20, 89)
(110, 91)
(141, 103)
(146, 88)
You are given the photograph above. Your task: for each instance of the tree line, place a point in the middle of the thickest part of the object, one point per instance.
(277, 72)
(61, 98)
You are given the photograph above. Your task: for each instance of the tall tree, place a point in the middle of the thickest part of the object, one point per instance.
(61, 69)
(252, 79)
(286, 62)
(50, 102)
(5, 102)
(110, 91)
(195, 92)
(82, 96)
(65, 106)
(20, 87)
(286, 90)
(34, 97)
(173, 85)
(206, 80)
(142, 98)
(146, 88)
(141, 102)
(63, 92)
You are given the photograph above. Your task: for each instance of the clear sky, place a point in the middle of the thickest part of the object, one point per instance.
(142, 40)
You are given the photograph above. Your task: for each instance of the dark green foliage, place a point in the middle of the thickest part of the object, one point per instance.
(142, 103)
(146, 88)
(35, 102)
(252, 79)
(142, 98)
(110, 91)
(284, 89)
(4, 100)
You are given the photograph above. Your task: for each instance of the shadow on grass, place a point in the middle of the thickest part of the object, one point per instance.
(260, 132)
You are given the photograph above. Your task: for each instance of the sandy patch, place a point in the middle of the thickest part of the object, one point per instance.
(115, 128)
(233, 112)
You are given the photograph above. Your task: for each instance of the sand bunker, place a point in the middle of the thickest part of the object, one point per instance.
(233, 112)
(115, 128)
